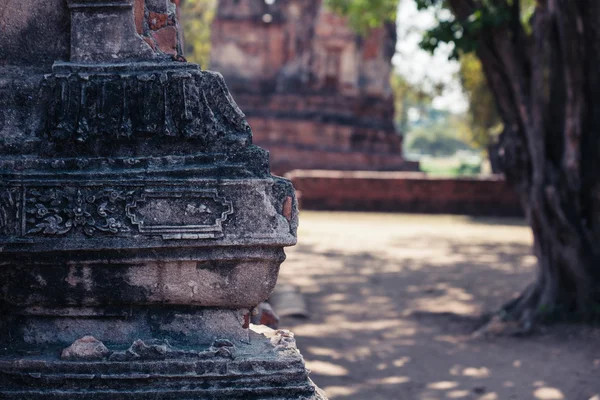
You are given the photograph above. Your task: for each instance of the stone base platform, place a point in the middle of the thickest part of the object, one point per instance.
(268, 367)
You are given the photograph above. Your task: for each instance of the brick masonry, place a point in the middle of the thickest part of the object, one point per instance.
(404, 192)
(316, 94)
(156, 23)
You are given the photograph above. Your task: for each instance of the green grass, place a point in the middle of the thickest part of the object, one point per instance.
(451, 166)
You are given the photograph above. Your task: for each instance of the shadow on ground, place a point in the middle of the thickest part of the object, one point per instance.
(394, 300)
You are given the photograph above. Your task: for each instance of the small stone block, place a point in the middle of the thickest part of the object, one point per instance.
(88, 348)
(138, 11)
(160, 6)
(166, 39)
(157, 21)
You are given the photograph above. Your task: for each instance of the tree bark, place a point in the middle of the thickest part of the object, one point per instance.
(547, 88)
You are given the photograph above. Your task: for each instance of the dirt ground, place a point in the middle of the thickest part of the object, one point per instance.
(394, 300)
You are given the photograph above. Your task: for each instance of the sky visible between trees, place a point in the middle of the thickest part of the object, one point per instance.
(414, 64)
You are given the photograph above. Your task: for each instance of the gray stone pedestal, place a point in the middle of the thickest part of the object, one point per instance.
(138, 232)
(268, 366)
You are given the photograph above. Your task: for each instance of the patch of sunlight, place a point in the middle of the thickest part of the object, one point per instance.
(390, 380)
(471, 372)
(322, 352)
(448, 339)
(342, 280)
(445, 304)
(403, 342)
(446, 260)
(510, 384)
(401, 362)
(335, 297)
(482, 372)
(338, 324)
(425, 253)
(378, 300)
(490, 396)
(458, 293)
(529, 260)
(393, 268)
(458, 394)
(548, 393)
(491, 259)
(360, 353)
(326, 368)
(339, 391)
(596, 397)
(381, 367)
(443, 385)
(517, 363)
(398, 333)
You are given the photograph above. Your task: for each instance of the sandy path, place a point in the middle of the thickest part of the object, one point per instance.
(394, 298)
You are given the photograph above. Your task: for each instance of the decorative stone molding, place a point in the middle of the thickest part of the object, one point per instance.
(59, 211)
(10, 211)
(180, 214)
(91, 104)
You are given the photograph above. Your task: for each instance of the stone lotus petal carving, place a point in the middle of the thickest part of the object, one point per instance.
(109, 104)
(10, 204)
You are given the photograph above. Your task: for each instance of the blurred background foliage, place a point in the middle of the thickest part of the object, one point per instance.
(197, 17)
(364, 15)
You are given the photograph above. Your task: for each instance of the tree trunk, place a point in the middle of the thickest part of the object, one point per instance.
(492, 153)
(547, 88)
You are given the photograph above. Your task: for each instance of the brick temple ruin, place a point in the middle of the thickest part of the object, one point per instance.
(316, 93)
(319, 98)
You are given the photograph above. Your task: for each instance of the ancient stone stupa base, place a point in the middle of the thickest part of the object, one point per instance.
(139, 227)
(267, 367)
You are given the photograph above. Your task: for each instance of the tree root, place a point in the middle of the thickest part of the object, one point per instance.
(516, 318)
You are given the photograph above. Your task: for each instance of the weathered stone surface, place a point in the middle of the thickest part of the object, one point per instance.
(103, 31)
(158, 5)
(157, 20)
(162, 350)
(317, 95)
(268, 366)
(88, 348)
(42, 327)
(166, 39)
(139, 225)
(33, 32)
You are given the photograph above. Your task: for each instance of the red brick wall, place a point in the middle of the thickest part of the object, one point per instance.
(301, 140)
(404, 192)
(158, 25)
